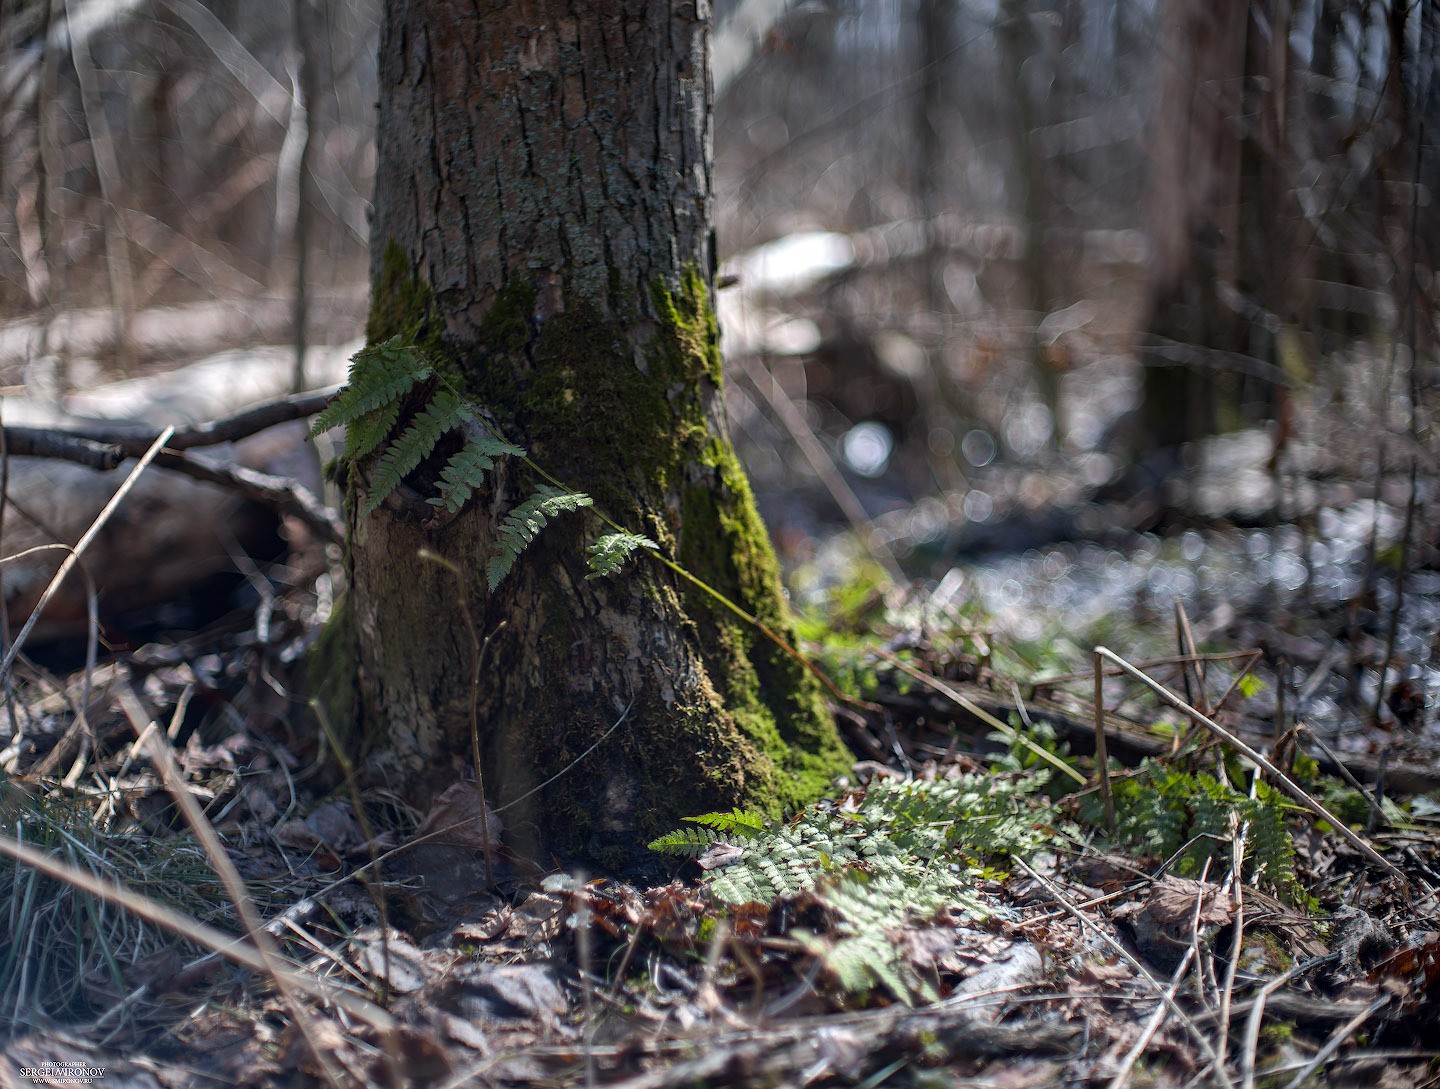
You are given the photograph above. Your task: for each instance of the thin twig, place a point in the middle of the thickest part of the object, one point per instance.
(1102, 751)
(1144, 973)
(973, 708)
(1281, 779)
(105, 446)
(283, 494)
(40, 442)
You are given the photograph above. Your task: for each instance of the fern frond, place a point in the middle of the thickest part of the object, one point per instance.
(366, 435)
(688, 842)
(445, 413)
(609, 553)
(379, 375)
(737, 822)
(524, 522)
(466, 471)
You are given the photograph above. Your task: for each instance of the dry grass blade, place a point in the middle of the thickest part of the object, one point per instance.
(973, 708)
(150, 734)
(1282, 780)
(1102, 751)
(231, 948)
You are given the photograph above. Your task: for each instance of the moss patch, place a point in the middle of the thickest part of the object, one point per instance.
(399, 300)
(613, 397)
(329, 681)
(774, 699)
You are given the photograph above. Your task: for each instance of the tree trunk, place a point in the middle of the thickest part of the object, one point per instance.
(1195, 187)
(542, 232)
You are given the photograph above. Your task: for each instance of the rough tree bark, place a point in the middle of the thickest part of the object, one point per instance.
(542, 230)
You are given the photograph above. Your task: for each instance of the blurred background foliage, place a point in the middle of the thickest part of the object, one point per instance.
(999, 273)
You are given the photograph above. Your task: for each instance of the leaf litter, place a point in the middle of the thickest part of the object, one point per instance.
(960, 913)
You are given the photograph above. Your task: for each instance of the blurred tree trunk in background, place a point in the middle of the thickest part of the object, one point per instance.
(1193, 215)
(542, 228)
(1019, 31)
(1283, 215)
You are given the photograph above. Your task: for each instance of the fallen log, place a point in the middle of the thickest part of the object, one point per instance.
(174, 535)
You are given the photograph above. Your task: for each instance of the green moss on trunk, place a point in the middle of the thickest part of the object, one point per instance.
(619, 398)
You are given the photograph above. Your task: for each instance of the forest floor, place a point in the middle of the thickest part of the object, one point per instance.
(975, 906)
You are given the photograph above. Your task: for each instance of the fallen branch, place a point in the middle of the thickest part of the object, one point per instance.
(104, 446)
(284, 495)
(39, 442)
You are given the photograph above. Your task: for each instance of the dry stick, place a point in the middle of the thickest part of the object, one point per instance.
(39, 442)
(1244, 671)
(1282, 682)
(1194, 675)
(164, 761)
(1281, 779)
(80, 546)
(285, 495)
(1102, 750)
(973, 708)
(104, 446)
(226, 945)
(1232, 965)
(1372, 800)
(1170, 659)
(1144, 973)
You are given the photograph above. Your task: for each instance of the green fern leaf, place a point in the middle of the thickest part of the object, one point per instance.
(400, 458)
(466, 471)
(379, 375)
(365, 435)
(609, 553)
(688, 842)
(523, 523)
(737, 822)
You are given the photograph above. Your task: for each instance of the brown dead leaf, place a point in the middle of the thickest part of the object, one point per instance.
(454, 819)
(540, 917)
(1172, 900)
(718, 855)
(1104, 973)
(403, 967)
(489, 991)
(484, 929)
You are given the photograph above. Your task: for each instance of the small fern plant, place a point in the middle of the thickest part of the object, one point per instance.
(383, 378)
(901, 850)
(1190, 816)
